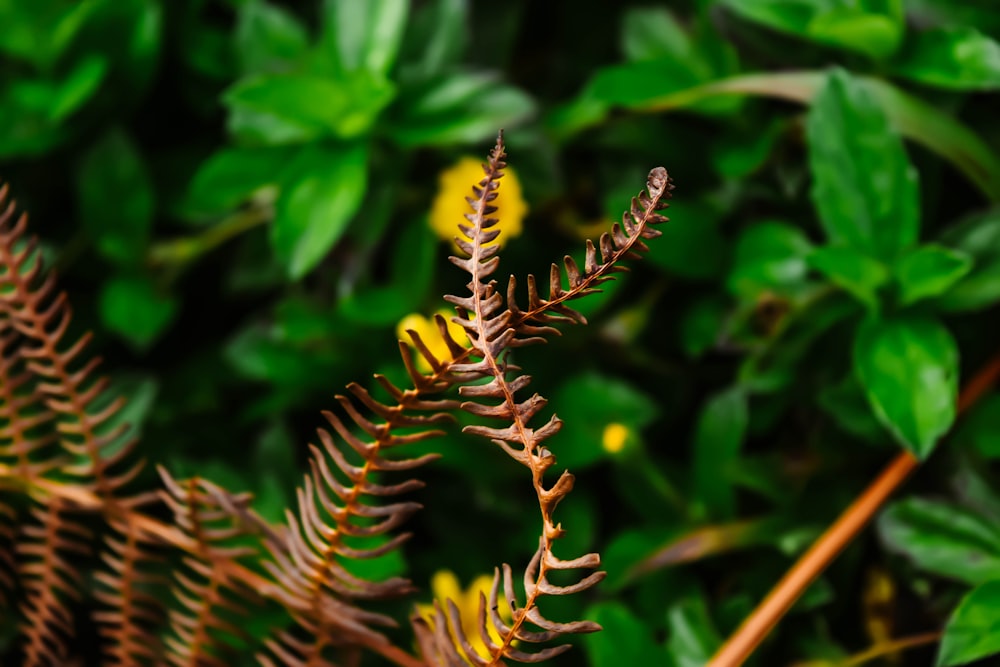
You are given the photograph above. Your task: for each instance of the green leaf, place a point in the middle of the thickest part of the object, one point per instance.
(436, 40)
(651, 33)
(692, 638)
(980, 428)
(459, 108)
(943, 539)
(364, 35)
(230, 176)
(769, 256)
(39, 31)
(293, 108)
(852, 271)
(929, 270)
(909, 369)
(136, 310)
(719, 435)
(268, 38)
(954, 58)
(978, 237)
(973, 631)
(626, 640)
(116, 198)
(78, 87)
(864, 188)
(874, 33)
(588, 403)
(321, 191)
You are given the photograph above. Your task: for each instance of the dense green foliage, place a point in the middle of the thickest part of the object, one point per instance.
(237, 195)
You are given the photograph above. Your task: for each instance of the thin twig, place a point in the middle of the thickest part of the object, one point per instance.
(758, 624)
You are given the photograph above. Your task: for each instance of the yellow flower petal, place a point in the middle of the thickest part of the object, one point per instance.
(455, 184)
(615, 437)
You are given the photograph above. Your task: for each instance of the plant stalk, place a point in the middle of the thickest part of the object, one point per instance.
(758, 624)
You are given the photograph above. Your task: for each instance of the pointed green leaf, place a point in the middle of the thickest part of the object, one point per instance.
(268, 37)
(626, 640)
(909, 369)
(852, 271)
(136, 310)
(955, 58)
(929, 270)
(978, 237)
(322, 190)
(864, 188)
(943, 539)
(973, 631)
(364, 35)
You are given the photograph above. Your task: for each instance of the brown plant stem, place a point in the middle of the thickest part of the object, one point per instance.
(756, 626)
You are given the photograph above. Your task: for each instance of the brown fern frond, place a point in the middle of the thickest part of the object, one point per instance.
(131, 613)
(624, 241)
(208, 589)
(337, 522)
(40, 314)
(50, 579)
(492, 331)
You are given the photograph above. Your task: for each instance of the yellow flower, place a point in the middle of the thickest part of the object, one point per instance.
(615, 437)
(455, 184)
(429, 334)
(445, 586)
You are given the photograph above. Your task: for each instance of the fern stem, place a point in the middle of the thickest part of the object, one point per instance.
(824, 550)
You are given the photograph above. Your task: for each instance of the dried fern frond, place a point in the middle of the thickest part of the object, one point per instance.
(209, 589)
(50, 580)
(337, 521)
(492, 331)
(131, 614)
(68, 386)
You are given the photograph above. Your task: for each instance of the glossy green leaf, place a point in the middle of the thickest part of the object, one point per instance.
(364, 35)
(864, 188)
(973, 631)
(136, 310)
(850, 26)
(852, 271)
(978, 237)
(955, 58)
(943, 539)
(625, 640)
(116, 198)
(769, 256)
(458, 108)
(292, 108)
(928, 271)
(321, 191)
(909, 369)
(436, 39)
(719, 435)
(268, 37)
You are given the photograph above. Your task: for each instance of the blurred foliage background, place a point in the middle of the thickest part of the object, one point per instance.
(239, 196)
